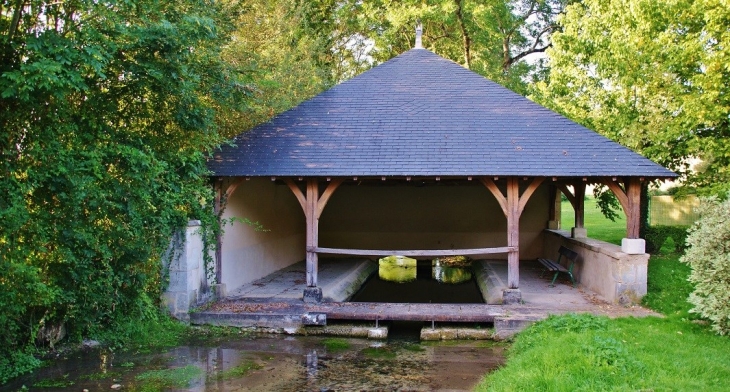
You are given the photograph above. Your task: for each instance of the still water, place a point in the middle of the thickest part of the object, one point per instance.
(421, 281)
(275, 363)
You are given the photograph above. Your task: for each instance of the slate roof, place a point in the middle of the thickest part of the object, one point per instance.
(419, 114)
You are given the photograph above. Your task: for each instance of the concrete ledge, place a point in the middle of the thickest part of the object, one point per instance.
(506, 327)
(579, 232)
(312, 295)
(511, 296)
(343, 288)
(349, 330)
(455, 333)
(277, 322)
(633, 246)
(488, 282)
(617, 276)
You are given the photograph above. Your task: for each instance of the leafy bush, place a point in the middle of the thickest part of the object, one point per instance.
(656, 236)
(709, 256)
(106, 119)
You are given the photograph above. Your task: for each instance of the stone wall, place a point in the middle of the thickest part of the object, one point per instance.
(251, 252)
(188, 286)
(602, 267)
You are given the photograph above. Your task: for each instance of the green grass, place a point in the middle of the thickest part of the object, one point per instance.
(379, 352)
(597, 225)
(627, 354)
(589, 353)
(334, 344)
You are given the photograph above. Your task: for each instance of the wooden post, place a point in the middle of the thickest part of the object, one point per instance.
(580, 197)
(554, 212)
(633, 215)
(513, 232)
(512, 206)
(310, 214)
(313, 206)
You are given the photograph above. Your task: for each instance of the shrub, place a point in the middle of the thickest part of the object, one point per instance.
(709, 256)
(656, 236)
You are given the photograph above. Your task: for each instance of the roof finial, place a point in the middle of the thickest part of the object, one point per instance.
(419, 32)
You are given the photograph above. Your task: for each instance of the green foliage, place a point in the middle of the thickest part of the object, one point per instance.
(656, 236)
(107, 110)
(166, 379)
(709, 256)
(651, 75)
(16, 363)
(287, 50)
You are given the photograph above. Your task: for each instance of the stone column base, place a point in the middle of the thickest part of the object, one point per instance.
(312, 295)
(633, 246)
(511, 296)
(554, 225)
(579, 232)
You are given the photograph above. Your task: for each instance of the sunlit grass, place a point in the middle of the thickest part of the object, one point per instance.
(597, 225)
(568, 353)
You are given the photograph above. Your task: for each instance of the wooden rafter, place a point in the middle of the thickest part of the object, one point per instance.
(322, 202)
(617, 190)
(528, 193)
(568, 194)
(496, 192)
(629, 196)
(297, 193)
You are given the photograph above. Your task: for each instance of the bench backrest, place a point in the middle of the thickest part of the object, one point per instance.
(568, 254)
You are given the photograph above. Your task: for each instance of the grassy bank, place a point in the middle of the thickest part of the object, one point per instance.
(581, 352)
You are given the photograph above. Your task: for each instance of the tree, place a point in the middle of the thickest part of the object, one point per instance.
(285, 49)
(107, 110)
(651, 75)
(490, 37)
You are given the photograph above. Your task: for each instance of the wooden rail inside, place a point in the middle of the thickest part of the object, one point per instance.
(424, 252)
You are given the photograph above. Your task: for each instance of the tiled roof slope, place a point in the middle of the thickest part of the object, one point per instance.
(422, 115)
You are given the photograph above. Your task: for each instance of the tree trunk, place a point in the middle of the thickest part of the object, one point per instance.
(464, 34)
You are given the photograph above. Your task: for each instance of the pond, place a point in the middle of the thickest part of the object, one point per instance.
(275, 363)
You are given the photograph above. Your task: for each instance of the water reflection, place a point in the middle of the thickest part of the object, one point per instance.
(448, 270)
(275, 363)
(450, 275)
(399, 269)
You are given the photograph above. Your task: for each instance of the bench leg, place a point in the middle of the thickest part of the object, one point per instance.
(552, 284)
(572, 280)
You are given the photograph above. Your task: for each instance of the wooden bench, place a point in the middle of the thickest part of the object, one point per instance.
(555, 266)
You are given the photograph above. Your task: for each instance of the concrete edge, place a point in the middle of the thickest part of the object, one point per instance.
(489, 283)
(346, 286)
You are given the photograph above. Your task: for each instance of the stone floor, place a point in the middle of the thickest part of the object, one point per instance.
(340, 278)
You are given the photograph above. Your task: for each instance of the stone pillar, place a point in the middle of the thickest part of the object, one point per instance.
(188, 284)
